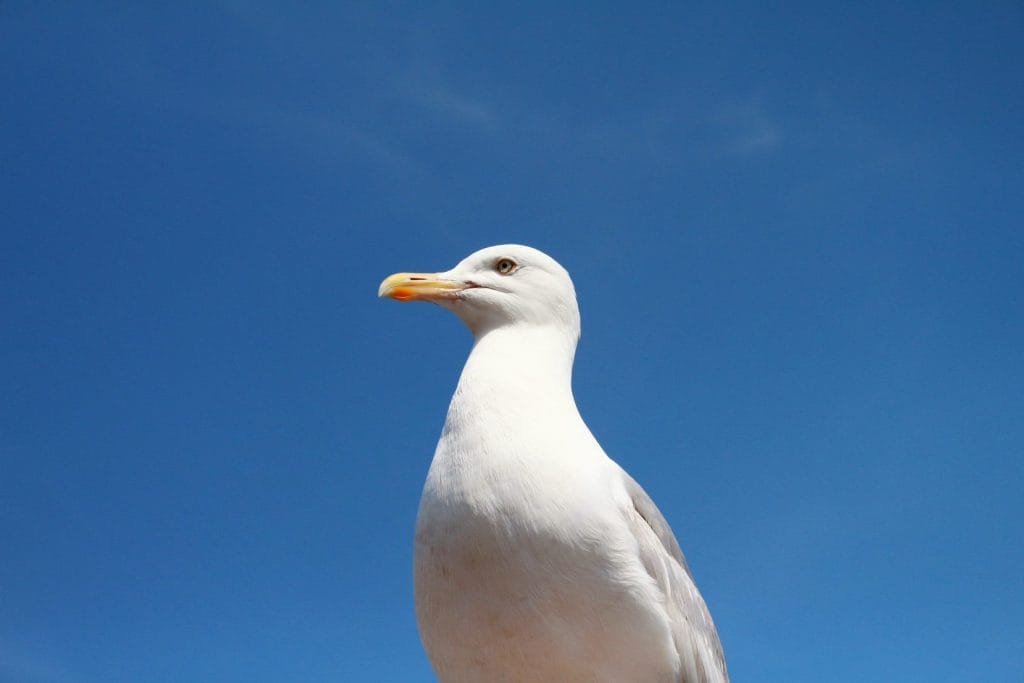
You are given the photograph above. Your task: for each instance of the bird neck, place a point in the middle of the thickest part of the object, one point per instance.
(515, 389)
(536, 360)
(511, 424)
(515, 377)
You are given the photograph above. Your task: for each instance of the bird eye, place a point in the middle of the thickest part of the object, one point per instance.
(506, 266)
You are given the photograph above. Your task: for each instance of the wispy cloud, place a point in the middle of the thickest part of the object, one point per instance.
(17, 666)
(450, 104)
(322, 136)
(746, 129)
(763, 139)
(390, 109)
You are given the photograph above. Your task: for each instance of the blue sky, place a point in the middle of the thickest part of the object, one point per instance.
(796, 236)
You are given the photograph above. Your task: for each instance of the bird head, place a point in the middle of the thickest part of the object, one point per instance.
(496, 287)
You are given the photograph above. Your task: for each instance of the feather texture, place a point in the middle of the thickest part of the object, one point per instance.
(537, 558)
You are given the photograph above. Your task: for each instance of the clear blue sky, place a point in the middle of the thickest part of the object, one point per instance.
(796, 234)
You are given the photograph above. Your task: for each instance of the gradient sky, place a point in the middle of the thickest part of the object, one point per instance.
(796, 234)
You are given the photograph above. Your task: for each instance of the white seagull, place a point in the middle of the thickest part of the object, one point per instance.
(537, 558)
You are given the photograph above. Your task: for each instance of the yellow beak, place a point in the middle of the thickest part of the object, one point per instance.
(419, 286)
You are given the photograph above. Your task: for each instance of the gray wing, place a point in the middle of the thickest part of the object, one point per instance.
(693, 631)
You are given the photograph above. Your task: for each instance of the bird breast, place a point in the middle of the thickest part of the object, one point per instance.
(521, 565)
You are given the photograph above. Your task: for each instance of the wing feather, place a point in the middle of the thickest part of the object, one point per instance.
(693, 630)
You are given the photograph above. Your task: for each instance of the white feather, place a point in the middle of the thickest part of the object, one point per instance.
(537, 558)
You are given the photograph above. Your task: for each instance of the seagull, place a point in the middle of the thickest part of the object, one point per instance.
(536, 557)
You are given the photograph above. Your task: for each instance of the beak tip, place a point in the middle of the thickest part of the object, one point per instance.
(389, 285)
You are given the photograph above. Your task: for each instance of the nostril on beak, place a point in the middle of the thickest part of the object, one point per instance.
(417, 278)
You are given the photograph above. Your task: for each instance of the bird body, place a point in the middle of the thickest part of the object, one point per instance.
(536, 557)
